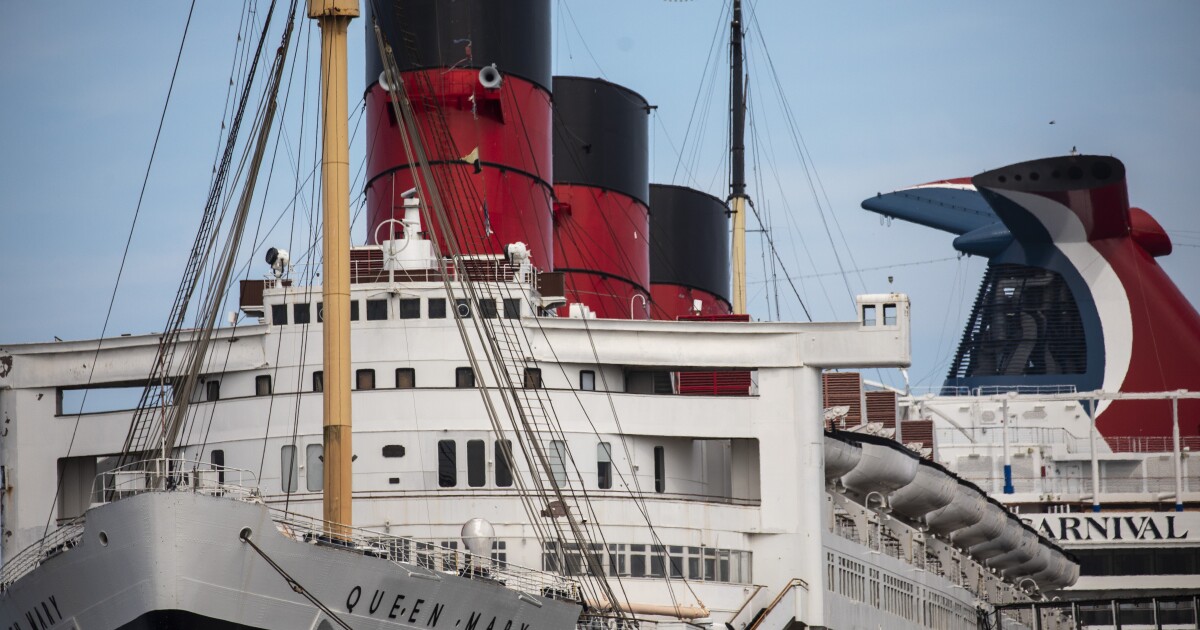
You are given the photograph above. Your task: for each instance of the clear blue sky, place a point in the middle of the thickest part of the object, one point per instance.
(885, 94)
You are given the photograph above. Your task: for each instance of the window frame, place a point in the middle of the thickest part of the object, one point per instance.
(447, 463)
(412, 378)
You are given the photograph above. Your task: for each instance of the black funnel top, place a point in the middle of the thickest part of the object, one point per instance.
(689, 239)
(601, 136)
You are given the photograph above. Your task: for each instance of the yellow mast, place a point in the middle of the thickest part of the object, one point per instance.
(737, 159)
(333, 16)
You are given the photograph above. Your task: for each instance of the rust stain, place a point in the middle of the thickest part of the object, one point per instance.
(5, 365)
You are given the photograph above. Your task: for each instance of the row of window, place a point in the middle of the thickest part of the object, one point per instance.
(406, 378)
(1135, 561)
(477, 465)
(404, 308)
(626, 560)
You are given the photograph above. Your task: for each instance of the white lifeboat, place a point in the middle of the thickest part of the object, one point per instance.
(964, 510)
(883, 469)
(1040, 560)
(1026, 549)
(840, 457)
(930, 489)
(986, 531)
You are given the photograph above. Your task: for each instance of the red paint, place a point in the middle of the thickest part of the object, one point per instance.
(510, 128)
(600, 242)
(671, 301)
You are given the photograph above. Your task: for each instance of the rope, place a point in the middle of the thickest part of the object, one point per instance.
(295, 586)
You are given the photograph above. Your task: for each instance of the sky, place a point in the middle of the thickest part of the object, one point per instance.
(881, 95)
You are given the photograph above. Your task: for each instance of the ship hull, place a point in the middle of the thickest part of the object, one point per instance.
(177, 560)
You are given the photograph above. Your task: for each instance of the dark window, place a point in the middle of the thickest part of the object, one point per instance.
(604, 465)
(500, 553)
(462, 308)
(868, 318)
(533, 378)
(320, 312)
(262, 385)
(587, 380)
(353, 310)
(889, 314)
(660, 469)
(406, 378)
(637, 561)
(447, 464)
(318, 381)
(410, 308)
(301, 313)
(365, 379)
(487, 309)
(393, 450)
(503, 469)
(476, 463)
(212, 390)
(437, 308)
(279, 314)
(218, 464)
(512, 308)
(464, 377)
(376, 310)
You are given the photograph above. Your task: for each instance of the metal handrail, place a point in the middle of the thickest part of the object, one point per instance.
(65, 537)
(174, 475)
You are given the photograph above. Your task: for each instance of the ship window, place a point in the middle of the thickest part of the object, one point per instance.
(637, 560)
(301, 313)
(212, 390)
(604, 465)
(587, 380)
(558, 463)
(279, 314)
(889, 314)
(314, 462)
(487, 309)
(318, 381)
(503, 468)
(660, 469)
(464, 377)
(262, 385)
(365, 379)
(447, 464)
(218, 464)
(476, 463)
(410, 308)
(437, 308)
(406, 378)
(512, 308)
(533, 378)
(868, 315)
(320, 312)
(289, 469)
(353, 310)
(462, 308)
(393, 450)
(500, 553)
(376, 310)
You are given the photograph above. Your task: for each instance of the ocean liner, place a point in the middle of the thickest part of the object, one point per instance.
(547, 360)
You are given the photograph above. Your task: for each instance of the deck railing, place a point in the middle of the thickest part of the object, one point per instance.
(65, 537)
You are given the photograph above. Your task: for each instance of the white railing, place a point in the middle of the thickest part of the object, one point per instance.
(30, 558)
(427, 555)
(173, 475)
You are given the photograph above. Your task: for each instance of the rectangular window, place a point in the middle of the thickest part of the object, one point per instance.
(393, 450)
(437, 308)
(604, 465)
(218, 464)
(301, 313)
(462, 308)
(318, 381)
(262, 385)
(533, 378)
(868, 315)
(279, 314)
(558, 463)
(660, 469)
(487, 309)
(587, 380)
(376, 310)
(212, 390)
(476, 463)
(447, 464)
(289, 469)
(512, 308)
(500, 553)
(320, 312)
(353, 310)
(364, 379)
(637, 560)
(889, 314)
(464, 377)
(314, 467)
(503, 468)
(410, 308)
(406, 378)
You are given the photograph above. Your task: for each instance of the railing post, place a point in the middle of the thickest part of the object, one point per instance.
(1095, 456)
(1175, 449)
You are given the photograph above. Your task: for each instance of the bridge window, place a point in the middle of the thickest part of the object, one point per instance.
(476, 463)
(301, 313)
(487, 309)
(279, 314)
(868, 315)
(503, 467)
(353, 310)
(889, 314)
(410, 308)
(437, 308)
(377, 310)
(512, 308)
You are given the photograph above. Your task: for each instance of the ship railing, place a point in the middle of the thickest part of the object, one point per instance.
(427, 555)
(1156, 487)
(372, 270)
(174, 475)
(65, 537)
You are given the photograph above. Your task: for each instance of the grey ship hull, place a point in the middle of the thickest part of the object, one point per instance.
(176, 560)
